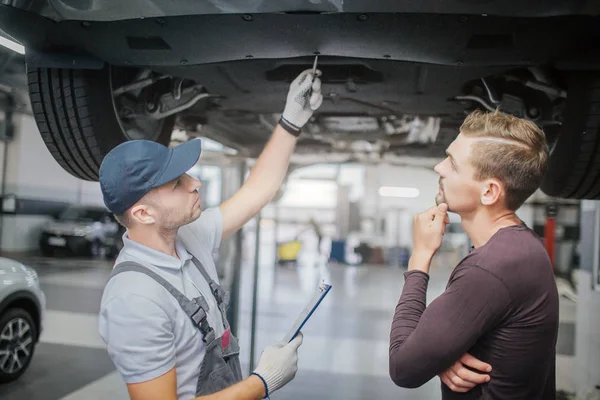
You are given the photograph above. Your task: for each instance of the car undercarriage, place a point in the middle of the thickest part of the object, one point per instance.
(398, 78)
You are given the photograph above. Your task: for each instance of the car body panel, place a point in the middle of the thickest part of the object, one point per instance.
(108, 10)
(474, 40)
(18, 281)
(382, 61)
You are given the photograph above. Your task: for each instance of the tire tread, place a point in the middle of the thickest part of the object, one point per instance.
(62, 113)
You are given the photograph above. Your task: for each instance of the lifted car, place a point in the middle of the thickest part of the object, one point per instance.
(398, 76)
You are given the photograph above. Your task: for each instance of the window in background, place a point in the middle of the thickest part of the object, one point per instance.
(308, 193)
(316, 185)
(353, 175)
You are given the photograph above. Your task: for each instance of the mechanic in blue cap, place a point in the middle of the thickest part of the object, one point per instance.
(162, 313)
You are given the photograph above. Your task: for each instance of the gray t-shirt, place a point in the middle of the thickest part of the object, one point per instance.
(145, 330)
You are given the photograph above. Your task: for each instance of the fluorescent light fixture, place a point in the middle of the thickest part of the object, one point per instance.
(9, 44)
(393, 191)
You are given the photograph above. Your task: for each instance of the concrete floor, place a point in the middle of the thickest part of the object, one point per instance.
(345, 350)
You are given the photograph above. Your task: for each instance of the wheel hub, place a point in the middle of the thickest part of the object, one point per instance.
(131, 103)
(15, 349)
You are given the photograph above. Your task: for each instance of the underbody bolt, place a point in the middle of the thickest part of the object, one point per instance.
(150, 106)
(247, 17)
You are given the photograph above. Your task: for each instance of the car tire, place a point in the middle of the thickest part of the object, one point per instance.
(16, 317)
(75, 113)
(574, 165)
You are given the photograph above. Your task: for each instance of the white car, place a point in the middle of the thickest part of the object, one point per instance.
(22, 309)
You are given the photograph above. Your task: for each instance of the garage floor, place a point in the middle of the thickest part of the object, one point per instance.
(344, 355)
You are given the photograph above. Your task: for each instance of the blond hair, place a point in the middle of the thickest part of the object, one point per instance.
(511, 149)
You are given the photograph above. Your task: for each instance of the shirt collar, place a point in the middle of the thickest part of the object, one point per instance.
(155, 257)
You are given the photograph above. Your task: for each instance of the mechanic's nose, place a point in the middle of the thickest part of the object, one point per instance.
(196, 184)
(438, 169)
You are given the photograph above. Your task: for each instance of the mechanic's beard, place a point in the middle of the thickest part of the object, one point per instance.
(174, 220)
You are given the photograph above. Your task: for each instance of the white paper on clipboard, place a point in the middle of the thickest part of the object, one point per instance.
(307, 311)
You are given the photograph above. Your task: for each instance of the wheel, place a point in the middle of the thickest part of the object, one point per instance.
(574, 165)
(18, 335)
(75, 111)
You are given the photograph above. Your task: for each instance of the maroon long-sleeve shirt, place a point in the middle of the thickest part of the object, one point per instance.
(500, 305)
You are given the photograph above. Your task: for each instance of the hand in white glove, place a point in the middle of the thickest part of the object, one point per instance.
(304, 97)
(278, 364)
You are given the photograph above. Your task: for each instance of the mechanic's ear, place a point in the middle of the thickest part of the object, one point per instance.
(143, 214)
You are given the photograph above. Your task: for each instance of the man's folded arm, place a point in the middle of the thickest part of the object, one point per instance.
(424, 341)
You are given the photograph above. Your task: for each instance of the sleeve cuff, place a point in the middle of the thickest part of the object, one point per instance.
(416, 273)
(149, 375)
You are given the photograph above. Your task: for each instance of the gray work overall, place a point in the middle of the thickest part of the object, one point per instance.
(221, 365)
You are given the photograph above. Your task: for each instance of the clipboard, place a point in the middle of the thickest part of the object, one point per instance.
(307, 312)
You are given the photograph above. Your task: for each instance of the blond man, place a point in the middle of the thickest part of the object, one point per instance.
(492, 333)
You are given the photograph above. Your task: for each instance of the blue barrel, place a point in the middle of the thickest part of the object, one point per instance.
(338, 251)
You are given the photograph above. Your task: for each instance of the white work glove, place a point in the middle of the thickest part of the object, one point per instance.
(278, 364)
(304, 97)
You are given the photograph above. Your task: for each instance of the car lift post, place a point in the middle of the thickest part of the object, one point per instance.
(6, 137)
(254, 291)
(233, 311)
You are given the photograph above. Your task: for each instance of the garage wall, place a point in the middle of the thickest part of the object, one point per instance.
(33, 173)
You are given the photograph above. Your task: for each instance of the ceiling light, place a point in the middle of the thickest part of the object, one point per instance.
(392, 191)
(9, 44)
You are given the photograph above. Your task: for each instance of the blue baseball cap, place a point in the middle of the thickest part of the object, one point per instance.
(135, 167)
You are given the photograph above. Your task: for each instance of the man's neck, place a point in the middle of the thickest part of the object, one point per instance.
(160, 241)
(482, 225)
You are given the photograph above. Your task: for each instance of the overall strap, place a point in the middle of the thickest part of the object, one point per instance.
(220, 294)
(196, 309)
